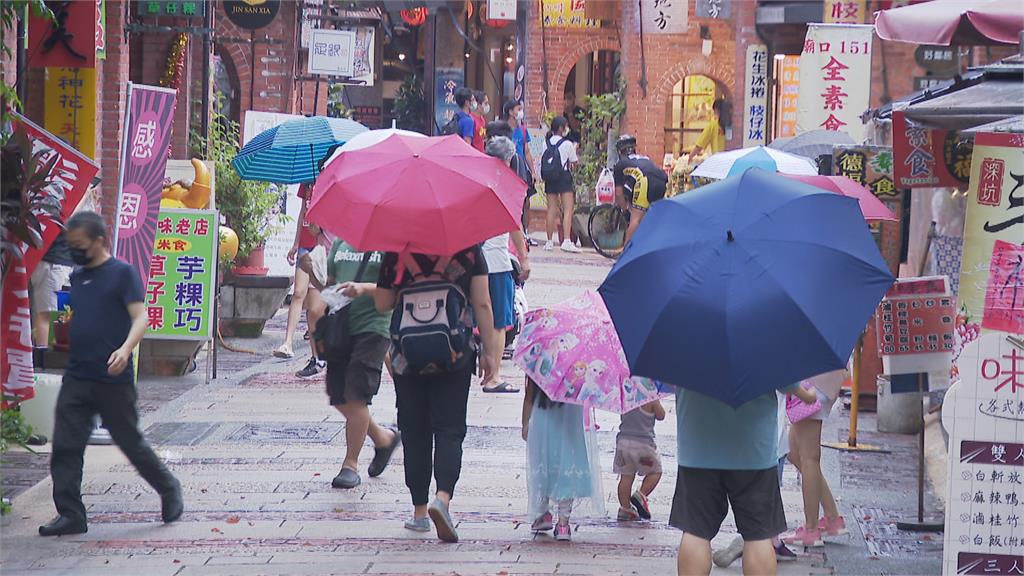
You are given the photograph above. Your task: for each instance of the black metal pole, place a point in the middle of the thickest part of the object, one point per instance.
(252, 70)
(207, 41)
(920, 452)
(21, 57)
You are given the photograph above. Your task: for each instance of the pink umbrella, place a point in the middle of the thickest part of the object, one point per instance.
(870, 205)
(572, 352)
(947, 22)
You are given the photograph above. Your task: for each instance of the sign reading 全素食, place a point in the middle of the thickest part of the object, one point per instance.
(835, 79)
(331, 52)
(984, 415)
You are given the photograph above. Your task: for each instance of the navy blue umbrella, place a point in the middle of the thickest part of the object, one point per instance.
(291, 153)
(745, 286)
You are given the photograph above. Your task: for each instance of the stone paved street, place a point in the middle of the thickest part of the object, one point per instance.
(257, 448)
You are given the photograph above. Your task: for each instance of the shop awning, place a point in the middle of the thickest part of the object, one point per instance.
(1013, 125)
(979, 104)
(948, 22)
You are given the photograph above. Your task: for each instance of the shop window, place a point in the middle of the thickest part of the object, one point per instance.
(688, 111)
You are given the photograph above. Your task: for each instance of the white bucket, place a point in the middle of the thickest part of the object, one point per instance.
(38, 412)
(898, 413)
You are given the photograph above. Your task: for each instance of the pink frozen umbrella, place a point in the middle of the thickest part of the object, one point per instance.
(870, 205)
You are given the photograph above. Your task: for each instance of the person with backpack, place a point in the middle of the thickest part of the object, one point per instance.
(433, 355)
(555, 168)
(462, 122)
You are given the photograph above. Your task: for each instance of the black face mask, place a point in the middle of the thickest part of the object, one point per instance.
(79, 256)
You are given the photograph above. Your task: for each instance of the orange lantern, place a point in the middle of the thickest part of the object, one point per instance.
(415, 16)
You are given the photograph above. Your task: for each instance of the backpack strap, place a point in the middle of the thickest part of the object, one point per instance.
(407, 262)
(362, 266)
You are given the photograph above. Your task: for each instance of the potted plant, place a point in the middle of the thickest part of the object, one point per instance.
(410, 105)
(599, 119)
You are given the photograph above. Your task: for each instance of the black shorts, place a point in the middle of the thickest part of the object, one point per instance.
(358, 378)
(703, 497)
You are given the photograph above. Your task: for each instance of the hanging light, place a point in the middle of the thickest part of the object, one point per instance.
(415, 16)
(401, 56)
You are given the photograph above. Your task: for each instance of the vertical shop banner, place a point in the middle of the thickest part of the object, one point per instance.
(835, 79)
(1004, 293)
(180, 291)
(446, 82)
(68, 40)
(789, 93)
(844, 11)
(16, 367)
(927, 158)
(995, 211)
(664, 16)
(144, 147)
(566, 14)
(69, 106)
(984, 414)
(756, 102)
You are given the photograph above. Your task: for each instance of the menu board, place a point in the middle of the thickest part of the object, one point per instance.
(915, 326)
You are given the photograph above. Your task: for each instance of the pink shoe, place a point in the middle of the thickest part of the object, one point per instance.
(804, 537)
(542, 524)
(833, 528)
(563, 532)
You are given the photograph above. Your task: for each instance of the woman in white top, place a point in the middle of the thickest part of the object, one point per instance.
(560, 191)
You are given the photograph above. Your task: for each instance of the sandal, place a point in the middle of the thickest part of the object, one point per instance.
(502, 388)
(283, 352)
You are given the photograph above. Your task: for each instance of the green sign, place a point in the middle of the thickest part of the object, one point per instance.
(181, 289)
(177, 8)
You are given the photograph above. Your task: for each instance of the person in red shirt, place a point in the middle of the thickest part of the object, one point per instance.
(306, 237)
(479, 115)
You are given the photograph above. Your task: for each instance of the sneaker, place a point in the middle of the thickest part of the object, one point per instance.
(639, 501)
(726, 556)
(627, 515)
(804, 537)
(563, 533)
(313, 367)
(549, 246)
(833, 528)
(784, 554)
(418, 524)
(568, 246)
(438, 512)
(543, 524)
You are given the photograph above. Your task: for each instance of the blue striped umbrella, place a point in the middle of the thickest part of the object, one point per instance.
(291, 152)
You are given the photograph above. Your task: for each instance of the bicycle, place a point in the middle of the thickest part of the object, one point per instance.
(607, 228)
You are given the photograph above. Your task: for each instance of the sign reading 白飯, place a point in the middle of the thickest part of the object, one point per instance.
(835, 79)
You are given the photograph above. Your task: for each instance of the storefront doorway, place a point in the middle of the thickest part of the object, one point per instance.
(688, 111)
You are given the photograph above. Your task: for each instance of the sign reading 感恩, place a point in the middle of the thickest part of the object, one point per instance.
(144, 147)
(915, 326)
(995, 211)
(69, 106)
(180, 291)
(664, 16)
(331, 52)
(714, 9)
(835, 79)
(756, 103)
(446, 82)
(927, 158)
(1004, 294)
(983, 414)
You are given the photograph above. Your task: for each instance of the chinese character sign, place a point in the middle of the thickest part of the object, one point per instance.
(844, 11)
(69, 107)
(446, 82)
(183, 269)
(331, 52)
(68, 40)
(714, 9)
(867, 165)
(756, 101)
(915, 325)
(664, 16)
(16, 368)
(566, 14)
(995, 211)
(789, 91)
(983, 414)
(835, 79)
(927, 158)
(1004, 294)
(144, 150)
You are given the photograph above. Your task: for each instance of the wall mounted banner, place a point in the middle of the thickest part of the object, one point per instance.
(69, 106)
(144, 148)
(69, 40)
(835, 79)
(927, 158)
(664, 16)
(755, 114)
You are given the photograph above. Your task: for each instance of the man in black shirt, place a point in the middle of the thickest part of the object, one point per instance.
(638, 182)
(109, 321)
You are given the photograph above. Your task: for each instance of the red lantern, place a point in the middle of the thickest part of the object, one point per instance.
(414, 17)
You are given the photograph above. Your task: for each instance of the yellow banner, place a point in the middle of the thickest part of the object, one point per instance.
(844, 11)
(789, 90)
(566, 14)
(69, 107)
(995, 211)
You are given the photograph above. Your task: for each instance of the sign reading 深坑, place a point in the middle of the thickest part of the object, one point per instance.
(835, 79)
(927, 158)
(69, 106)
(995, 211)
(983, 414)
(664, 16)
(331, 52)
(180, 291)
(756, 103)
(144, 147)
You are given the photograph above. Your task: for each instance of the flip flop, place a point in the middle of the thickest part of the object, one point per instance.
(502, 388)
(281, 353)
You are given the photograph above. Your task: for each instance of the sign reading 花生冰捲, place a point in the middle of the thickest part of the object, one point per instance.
(180, 291)
(756, 105)
(835, 79)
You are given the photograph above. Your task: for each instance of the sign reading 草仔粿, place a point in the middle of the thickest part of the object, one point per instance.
(995, 211)
(983, 414)
(756, 103)
(180, 291)
(69, 107)
(929, 158)
(144, 150)
(173, 8)
(835, 79)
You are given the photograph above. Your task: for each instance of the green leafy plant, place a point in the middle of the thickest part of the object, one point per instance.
(251, 208)
(336, 102)
(14, 429)
(10, 12)
(600, 117)
(410, 105)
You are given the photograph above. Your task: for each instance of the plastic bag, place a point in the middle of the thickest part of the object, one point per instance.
(606, 187)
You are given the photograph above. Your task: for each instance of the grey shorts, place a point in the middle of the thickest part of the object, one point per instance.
(635, 457)
(703, 497)
(357, 379)
(46, 280)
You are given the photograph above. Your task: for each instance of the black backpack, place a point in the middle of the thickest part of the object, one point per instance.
(552, 169)
(452, 127)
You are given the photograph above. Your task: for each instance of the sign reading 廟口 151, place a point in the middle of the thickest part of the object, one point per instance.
(180, 292)
(929, 158)
(835, 78)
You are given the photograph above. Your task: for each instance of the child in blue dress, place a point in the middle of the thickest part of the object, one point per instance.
(562, 463)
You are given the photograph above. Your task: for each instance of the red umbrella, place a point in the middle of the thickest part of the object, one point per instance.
(423, 195)
(947, 22)
(870, 205)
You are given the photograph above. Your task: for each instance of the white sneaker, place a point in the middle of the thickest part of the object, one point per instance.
(568, 246)
(549, 246)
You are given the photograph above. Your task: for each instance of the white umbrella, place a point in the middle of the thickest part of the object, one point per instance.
(729, 163)
(369, 138)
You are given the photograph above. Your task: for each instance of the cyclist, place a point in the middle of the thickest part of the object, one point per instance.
(638, 182)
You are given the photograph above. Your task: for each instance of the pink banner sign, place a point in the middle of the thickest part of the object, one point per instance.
(16, 322)
(1004, 294)
(144, 147)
